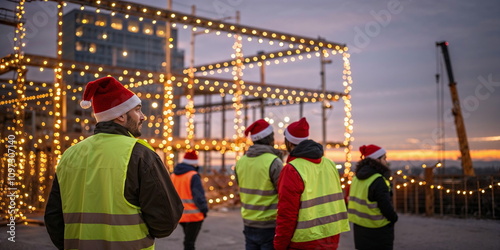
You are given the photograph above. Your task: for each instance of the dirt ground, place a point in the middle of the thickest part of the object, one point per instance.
(222, 230)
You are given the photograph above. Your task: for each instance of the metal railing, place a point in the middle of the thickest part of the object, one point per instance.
(449, 195)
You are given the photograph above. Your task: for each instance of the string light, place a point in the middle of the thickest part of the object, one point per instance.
(294, 48)
(59, 110)
(16, 138)
(348, 121)
(440, 187)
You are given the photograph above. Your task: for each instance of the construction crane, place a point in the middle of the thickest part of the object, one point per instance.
(467, 167)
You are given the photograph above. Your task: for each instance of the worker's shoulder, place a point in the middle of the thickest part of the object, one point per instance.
(140, 148)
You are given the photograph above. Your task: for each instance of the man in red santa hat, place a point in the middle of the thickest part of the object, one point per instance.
(111, 190)
(257, 175)
(311, 208)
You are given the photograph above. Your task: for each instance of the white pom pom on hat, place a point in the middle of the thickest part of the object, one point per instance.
(85, 104)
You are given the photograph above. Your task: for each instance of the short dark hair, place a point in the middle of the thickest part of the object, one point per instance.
(266, 140)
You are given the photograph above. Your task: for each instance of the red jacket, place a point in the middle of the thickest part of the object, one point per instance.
(290, 188)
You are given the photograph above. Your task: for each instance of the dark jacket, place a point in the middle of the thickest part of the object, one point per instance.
(147, 185)
(196, 187)
(378, 191)
(376, 238)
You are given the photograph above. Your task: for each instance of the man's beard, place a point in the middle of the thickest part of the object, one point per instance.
(133, 126)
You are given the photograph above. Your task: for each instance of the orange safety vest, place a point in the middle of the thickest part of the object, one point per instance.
(182, 184)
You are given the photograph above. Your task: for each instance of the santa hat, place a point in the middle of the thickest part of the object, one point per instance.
(191, 157)
(259, 129)
(371, 151)
(109, 98)
(297, 131)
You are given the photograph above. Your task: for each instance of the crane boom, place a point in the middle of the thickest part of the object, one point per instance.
(457, 114)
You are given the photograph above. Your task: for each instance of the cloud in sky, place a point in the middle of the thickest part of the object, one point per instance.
(394, 89)
(489, 138)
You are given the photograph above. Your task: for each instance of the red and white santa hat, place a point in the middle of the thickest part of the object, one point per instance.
(191, 157)
(109, 98)
(371, 151)
(259, 129)
(297, 131)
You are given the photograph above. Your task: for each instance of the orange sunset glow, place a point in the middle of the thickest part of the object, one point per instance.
(422, 155)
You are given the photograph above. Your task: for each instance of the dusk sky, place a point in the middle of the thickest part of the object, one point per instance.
(393, 60)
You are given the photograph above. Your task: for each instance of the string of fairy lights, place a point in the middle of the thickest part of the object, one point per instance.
(409, 181)
(100, 69)
(52, 97)
(214, 85)
(59, 89)
(238, 96)
(19, 106)
(405, 184)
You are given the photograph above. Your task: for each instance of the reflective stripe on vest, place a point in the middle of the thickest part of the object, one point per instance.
(322, 210)
(258, 196)
(182, 184)
(91, 176)
(361, 210)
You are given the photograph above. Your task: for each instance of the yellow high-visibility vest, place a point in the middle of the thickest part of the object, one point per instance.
(322, 210)
(258, 196)
(91, 176)
(362, 211)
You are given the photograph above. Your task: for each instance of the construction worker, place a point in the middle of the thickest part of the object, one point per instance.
(257, 174)
(311, 208)
(111, 190)
(187, 182)
(370, 206)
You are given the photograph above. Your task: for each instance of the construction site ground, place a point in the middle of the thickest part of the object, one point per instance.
(222, 230)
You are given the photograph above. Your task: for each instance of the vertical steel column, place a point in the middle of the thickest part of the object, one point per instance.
(417, 211)
(441, 209)
(223, 132)
(262, 67)
(59, 91)
(348, 121)
(20, 104)
(493, 197)
(237, 95)
(168, 93)
(478, 199)
(465, 197)
(429, 192)
(323, 104)
(190, 91)
(453, 205)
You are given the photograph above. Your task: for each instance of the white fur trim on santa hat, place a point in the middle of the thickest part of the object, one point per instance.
(190, 161)
(377, 154)
(118, 110)
(265, 132)
(293, 139)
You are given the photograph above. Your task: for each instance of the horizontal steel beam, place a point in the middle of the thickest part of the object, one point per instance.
(203, 22)
(211, 85)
